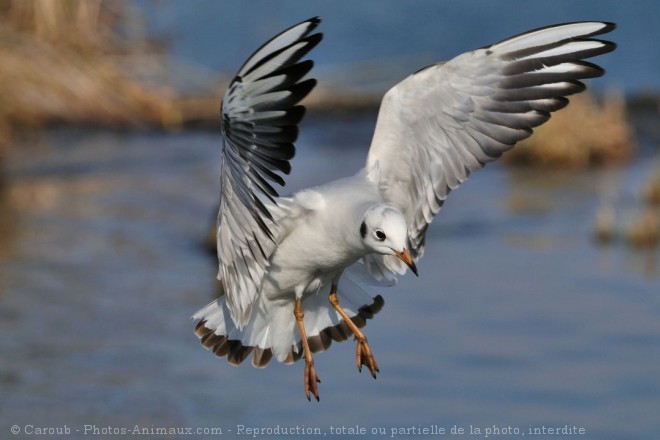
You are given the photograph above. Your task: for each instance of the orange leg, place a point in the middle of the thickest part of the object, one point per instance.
(311, 378)
(363, 354)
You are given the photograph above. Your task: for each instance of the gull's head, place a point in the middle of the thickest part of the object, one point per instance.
(384, 231)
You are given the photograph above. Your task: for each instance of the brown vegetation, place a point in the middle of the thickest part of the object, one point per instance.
(90, 62)
(586, 133)
(67, 62)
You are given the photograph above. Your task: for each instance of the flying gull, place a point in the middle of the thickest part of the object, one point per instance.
(281, 258)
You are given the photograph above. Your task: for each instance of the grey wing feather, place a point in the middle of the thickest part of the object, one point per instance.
(260, 113)
(442, 123)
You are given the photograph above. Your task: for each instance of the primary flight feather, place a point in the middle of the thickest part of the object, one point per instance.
(281, 258)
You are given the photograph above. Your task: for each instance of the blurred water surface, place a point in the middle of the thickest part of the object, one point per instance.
(517, 318)
(375, 43)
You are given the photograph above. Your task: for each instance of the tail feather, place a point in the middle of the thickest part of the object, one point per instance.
(271, 330)
(261, 357)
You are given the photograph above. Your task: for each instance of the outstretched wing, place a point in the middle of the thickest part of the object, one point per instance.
(259, 125)
(438, 125)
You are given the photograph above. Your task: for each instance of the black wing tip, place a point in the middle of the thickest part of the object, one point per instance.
(306, 86)
(298, 92)
(293, 72)
(314, 21)
(608, 26)
(282, 142)
(312, 40)
(608, 46)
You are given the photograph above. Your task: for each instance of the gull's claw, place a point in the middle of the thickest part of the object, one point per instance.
(363, 356)
(311, 379)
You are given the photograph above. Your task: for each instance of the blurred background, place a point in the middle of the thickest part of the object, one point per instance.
(538, 301)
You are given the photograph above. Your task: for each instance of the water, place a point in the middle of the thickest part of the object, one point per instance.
(375, 43)
(517, 318)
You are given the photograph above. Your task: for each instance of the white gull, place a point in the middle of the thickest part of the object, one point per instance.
(281, 259)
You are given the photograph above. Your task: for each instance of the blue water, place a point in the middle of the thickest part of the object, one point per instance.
(517, 319)
(384, 40)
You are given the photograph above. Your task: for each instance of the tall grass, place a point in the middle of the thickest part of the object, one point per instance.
(67, 61)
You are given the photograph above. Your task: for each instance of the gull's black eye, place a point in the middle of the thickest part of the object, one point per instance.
(380, 235)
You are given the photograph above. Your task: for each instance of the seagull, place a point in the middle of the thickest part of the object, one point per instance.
(281, 258)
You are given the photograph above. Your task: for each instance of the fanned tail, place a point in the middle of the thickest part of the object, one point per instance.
(271, 330)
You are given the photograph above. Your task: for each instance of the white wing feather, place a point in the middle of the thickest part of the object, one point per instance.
(259, 125)
(442, 123)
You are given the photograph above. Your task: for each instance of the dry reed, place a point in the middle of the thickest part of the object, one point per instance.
(585, 133)
(67, 62)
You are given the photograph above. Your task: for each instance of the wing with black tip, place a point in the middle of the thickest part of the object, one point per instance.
(259, 113)
(442, 123)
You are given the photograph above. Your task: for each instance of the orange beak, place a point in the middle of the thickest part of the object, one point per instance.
(406, 258)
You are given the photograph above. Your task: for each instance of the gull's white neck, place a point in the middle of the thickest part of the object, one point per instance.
(331, 231)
